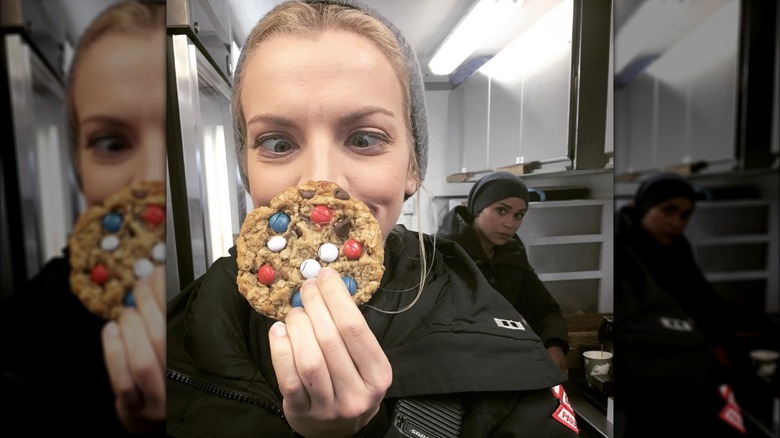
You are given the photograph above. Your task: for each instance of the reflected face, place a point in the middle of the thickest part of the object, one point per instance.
(327, 107)
(497, 223)
(667, 221)
(119, 96)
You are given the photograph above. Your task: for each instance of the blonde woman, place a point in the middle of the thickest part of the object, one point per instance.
(329, 90)
(66, 370)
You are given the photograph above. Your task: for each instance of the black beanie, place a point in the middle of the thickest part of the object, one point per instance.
(659, 188)
(493, 188)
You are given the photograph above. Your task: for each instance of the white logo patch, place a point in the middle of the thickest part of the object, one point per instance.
(509, 324)
(680, 325)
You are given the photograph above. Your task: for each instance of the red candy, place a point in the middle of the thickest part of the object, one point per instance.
(352, 249)
(266, 275)
(154, 215)
(321, 215)
(99, 274)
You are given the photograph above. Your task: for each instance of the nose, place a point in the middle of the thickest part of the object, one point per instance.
(679, 223)
(512, 223)
(323, 162)
(151, 162)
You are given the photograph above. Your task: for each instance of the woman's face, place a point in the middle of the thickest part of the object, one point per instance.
(328, 107)
(119, 96)
(667, 220)
(498, 222)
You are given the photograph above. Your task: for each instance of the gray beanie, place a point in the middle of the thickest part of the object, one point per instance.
(662, 187)
(493, 188)
(417, 115)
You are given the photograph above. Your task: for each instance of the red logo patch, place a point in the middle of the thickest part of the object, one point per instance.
(564, 414)
(731, 413)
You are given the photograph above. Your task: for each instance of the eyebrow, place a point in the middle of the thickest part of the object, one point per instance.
(509, 207)
(104, 120)
(346, 119)
(364, 112)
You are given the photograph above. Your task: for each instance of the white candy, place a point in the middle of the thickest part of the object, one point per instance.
(328, 252)
(143, 268)
(158, 252)
(277, 243)
(310, 268)
(109, 243)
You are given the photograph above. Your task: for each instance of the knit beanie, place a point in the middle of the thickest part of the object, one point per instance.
(417, 115)
(659, 188)
(493, 188)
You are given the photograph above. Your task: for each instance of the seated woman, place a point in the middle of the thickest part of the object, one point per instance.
(672, 330)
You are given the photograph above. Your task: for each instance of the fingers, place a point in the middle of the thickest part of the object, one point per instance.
(363, 349)
(118, 371)
(152, 313)
(346, 380)
(142, 360)
(283, 359)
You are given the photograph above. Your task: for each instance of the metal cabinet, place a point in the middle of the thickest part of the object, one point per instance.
(206, 197)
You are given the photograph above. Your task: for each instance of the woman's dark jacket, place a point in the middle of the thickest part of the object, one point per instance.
(510, 273)
(54, 379)
(668, 321)
(221, 381)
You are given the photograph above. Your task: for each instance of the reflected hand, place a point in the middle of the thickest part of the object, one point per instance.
(332, 372)
(559, 357)
(134, 353)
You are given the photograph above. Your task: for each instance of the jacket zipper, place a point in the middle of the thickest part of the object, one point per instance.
(225, 393)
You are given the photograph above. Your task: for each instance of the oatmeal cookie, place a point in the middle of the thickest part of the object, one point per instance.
(115, 244)
(302, 230)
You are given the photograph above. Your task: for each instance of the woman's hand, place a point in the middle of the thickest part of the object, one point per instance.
(332, 372)
(559, 357)
(134, 352)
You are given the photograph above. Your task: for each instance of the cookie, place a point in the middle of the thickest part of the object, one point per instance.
(115, 244)
(303, 230)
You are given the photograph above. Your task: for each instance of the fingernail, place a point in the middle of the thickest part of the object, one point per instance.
(279, 329)
(111, 329)
(324, 273)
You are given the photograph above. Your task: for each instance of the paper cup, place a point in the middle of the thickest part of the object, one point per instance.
(765, 362)
(597, 363)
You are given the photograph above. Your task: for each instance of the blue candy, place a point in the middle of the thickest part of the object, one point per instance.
(296, 299)
(112, 222)
(129, 299)
(350, 283)
(279, 222)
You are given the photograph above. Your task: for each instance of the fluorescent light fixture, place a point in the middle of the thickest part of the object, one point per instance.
(548, 40)
(485, 17)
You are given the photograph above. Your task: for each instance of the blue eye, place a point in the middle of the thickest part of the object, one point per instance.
(108, 145)
(363, 140)
(277, 145)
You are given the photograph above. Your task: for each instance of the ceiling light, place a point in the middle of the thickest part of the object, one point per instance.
(484, 18)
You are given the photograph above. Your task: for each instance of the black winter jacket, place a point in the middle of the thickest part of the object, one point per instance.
(452, 341)
(510, 273)
(668, 321)
(54, 378)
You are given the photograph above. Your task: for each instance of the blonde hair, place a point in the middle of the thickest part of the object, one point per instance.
(131, 17)
(306, 19)
(299, 18)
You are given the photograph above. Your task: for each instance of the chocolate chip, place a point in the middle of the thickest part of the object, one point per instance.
(140, 193)
(342, 227)
(297, 230)
(307, 194)
(341, 194)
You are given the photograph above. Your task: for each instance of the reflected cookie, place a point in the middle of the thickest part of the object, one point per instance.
(303, 230)
(115, 244)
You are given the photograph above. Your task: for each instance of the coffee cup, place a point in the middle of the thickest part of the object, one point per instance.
(765, 362)
(598, 364)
